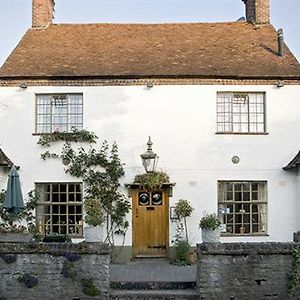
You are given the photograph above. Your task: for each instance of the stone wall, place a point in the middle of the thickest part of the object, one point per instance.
(237, 271)
(60, 269)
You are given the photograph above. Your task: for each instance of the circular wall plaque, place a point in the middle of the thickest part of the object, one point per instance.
(235, 159)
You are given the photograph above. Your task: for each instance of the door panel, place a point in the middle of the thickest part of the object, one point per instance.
(150, 223)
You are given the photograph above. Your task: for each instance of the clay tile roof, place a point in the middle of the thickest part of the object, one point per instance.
(294, 163)
(236, 49)
(4, 160)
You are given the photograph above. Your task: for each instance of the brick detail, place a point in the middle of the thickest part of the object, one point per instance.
(141, 82)
(42, 13)
(258, 11)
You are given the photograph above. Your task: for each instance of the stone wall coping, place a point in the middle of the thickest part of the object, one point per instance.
(57, 249)
(245, 248)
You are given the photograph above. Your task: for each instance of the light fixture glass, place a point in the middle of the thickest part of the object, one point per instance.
(149, 158)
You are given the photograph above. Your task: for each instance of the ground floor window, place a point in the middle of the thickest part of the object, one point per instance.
(59, 209)
(242, 207)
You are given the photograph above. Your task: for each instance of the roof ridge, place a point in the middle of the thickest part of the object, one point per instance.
(152, 24)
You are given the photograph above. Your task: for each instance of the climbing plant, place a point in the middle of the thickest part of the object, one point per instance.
(100, 170)
(74, 136)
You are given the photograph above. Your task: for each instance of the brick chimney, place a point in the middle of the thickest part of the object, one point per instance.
(42, 13)
(257, 11)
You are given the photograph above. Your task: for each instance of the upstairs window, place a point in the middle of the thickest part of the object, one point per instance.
(59, 112)
(239, 112)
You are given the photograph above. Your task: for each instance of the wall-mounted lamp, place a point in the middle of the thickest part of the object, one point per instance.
(280, 84)
(149, 158)
(149, 84)
(23, 85)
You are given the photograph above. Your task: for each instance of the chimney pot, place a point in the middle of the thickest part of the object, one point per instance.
(257, 11)
(280, 42)
(42, 13)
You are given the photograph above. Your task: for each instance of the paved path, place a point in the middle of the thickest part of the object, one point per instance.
(152, 270)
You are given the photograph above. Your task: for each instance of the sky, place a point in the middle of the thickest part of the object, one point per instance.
(15, 15)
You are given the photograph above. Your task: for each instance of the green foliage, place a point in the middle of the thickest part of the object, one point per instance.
(101, 171)
(28, 280)
(25, 217)
(152, 180)
(94, 212)
(48, 154)
(88, 287)
(75, 136)
(181, 247)
(184, 209)
(210, 221)
(294, 276)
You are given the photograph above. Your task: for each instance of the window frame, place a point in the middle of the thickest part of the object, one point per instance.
(41, 214)
(248, 132)
(50, 115)
(222, 205)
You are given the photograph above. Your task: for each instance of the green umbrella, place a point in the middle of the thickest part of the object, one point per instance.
(13, 198)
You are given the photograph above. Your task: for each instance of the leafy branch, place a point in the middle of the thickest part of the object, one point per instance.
(152, 180)
(74, 136)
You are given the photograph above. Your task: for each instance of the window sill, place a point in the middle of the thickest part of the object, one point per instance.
(243, 133)
(243, 234)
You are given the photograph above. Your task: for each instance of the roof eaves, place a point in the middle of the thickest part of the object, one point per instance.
(4, 160)
(294, 163)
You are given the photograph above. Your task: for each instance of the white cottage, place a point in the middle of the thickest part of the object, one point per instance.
(221, 102)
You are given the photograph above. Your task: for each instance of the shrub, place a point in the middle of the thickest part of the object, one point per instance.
(209, 222)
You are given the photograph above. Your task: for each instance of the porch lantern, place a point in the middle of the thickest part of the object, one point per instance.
(149, 158)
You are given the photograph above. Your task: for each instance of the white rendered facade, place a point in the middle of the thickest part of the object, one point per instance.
(181, 120)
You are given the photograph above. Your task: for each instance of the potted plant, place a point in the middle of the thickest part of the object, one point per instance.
(211, 228)
(94, 217)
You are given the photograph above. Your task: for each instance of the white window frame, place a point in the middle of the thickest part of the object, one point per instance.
(58, 112)
(241, 112)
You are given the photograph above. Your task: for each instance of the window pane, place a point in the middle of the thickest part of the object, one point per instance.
(58, 217)
(242, 206)
(53, 113)
(240, 112)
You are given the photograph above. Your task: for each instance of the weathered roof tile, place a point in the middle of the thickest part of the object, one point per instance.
(236, 49)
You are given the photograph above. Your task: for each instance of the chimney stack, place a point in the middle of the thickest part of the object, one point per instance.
(257, 11)
(42, 13)
(280, 42)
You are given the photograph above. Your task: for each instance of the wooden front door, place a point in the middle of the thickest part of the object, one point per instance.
(150, 220)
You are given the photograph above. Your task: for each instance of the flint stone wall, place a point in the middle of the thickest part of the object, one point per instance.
(237, 271)
(45, 262)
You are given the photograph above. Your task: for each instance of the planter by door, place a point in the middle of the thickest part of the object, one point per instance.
(93, 233)
(211, 236)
